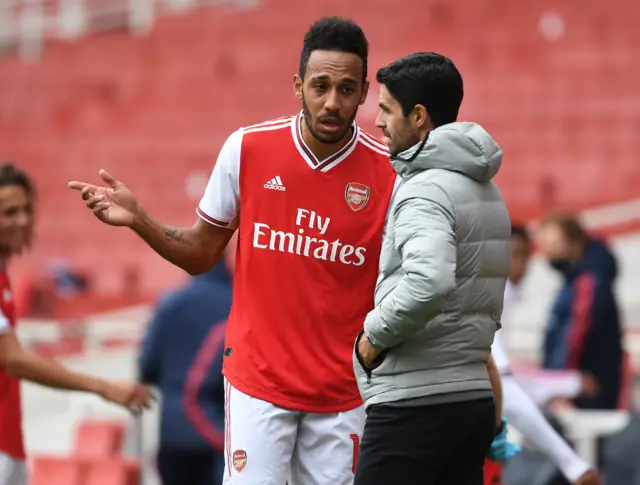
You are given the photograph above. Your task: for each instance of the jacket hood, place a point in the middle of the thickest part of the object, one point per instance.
(599, 259)
(463, 147)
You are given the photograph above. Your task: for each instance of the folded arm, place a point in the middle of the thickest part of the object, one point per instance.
(425, 239)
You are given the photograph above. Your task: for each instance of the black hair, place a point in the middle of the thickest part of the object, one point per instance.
(338, 35)
(11, 175)
(428, 79)
(520, 232)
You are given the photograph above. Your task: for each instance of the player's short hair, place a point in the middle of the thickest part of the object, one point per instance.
(338, 35)
(519, 231)
(569, 224)
(428, 79)
(11, 175)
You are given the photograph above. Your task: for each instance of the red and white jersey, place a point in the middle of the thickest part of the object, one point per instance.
(310, 233)
(10, 406)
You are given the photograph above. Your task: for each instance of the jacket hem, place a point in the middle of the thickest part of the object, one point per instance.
(394, 395)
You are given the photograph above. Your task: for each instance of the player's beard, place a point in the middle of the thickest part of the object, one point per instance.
(310, 122)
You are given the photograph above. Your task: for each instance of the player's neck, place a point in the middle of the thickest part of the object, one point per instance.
(322, 150)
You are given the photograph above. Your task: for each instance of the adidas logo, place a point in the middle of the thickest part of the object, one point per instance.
(275, 184)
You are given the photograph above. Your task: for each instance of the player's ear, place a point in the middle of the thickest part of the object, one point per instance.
(365, 91)
(297, 86)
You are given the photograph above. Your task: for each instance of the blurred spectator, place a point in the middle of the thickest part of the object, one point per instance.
(182, 354)
(542, 386)
(583, 331)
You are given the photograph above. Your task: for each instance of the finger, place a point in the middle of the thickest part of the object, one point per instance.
(93, 200)
(108, 179)
(74, 184)
(99, 209)
(87, 192)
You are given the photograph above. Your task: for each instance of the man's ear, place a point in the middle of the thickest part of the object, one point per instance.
(297, 86)
(421, 117)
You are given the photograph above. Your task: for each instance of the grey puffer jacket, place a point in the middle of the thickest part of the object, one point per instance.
(443, 270)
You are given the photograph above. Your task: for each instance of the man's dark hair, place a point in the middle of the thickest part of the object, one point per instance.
(425, 78)
(11, 175)
(518, 231)
(338, 35)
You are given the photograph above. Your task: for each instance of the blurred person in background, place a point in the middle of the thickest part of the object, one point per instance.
(518, 407)
(17, 206)
(583, 332)
(182, 355)
(423, 361)
(310, 202)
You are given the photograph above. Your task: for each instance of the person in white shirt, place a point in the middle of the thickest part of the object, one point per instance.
(518, 406)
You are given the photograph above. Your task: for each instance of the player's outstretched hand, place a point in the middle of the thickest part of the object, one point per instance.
(589, 478)
(113, 204)
(131, 395)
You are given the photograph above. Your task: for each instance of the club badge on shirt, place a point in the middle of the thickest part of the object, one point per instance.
(356, 195)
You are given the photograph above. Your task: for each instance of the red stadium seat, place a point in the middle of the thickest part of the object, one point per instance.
(56, 471)
(112, 472)
(99, 439)
(563, 108)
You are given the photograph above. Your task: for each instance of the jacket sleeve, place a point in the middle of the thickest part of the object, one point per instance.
(149, 360)
(424, 237)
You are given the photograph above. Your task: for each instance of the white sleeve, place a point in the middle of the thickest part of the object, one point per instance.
(499, 353)
(543, 386)
(221, 201)
(4, 324)
(525, 416)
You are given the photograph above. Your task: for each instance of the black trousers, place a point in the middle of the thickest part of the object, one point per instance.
(182, 467)
(441, 444)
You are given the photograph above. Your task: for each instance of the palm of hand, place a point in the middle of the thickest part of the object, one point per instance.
(120, 206)
(113, 204)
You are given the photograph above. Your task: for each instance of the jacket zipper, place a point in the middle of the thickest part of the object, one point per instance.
(367, 372)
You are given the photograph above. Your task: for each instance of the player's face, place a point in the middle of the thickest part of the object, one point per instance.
(331, 92)
(520, 255)
(16, 219)
(556, 248)
(397, 129)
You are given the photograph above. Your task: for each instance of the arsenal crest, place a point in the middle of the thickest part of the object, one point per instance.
(239, 460)
(356, 195)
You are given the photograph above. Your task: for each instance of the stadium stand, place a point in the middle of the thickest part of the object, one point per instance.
(555, 83)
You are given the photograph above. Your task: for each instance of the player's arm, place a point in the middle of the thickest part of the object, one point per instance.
(26, 365)
(424, 237)
(195, 249)
(23, 364)
(198, 248)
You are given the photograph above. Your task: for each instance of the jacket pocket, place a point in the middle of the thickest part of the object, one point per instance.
(376, 363)
(359, 360)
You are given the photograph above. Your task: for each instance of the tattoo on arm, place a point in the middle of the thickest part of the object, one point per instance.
(175, 235)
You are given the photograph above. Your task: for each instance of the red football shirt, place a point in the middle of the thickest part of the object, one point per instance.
(11, 442)
(310, 233)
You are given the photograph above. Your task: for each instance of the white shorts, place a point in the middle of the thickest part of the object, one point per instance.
(12, 471)
(269, 445)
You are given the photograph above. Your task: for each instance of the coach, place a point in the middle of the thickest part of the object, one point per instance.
(421, 361)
